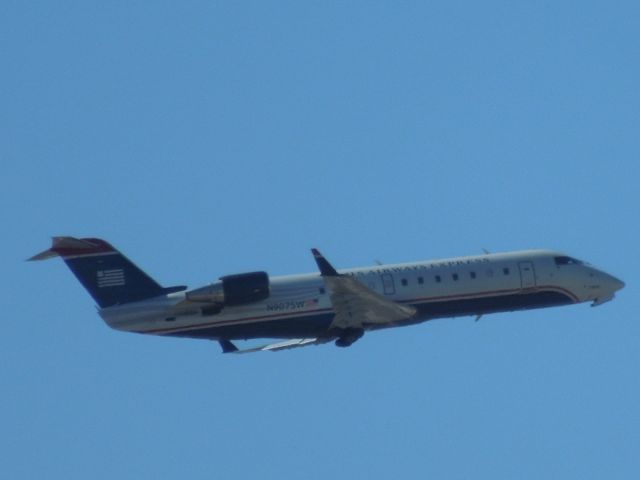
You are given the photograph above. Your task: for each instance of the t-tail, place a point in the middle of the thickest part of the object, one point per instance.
(109, 277)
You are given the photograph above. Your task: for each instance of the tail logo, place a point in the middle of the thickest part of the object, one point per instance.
(110, 278)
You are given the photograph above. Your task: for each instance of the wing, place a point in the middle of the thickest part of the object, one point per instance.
(229, 347)
(356, 305)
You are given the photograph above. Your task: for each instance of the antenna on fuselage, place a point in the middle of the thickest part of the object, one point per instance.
(486, 252)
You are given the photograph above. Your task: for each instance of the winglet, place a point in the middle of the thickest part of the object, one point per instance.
(227, 346)
(326, 269)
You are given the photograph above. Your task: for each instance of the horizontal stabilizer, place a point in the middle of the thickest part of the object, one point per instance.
(70, 246)
(48, 253)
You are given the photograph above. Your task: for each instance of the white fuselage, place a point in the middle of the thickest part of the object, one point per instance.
(300, 305)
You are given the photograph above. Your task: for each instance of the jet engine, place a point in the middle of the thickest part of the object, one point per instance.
(233, 290)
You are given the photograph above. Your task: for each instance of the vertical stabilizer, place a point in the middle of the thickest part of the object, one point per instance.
(109, 276)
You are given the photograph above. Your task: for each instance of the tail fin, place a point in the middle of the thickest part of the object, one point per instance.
(109, 277)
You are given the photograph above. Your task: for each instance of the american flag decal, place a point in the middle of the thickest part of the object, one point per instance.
(110, 278)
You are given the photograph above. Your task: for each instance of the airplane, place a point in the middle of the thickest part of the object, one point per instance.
(331, 305)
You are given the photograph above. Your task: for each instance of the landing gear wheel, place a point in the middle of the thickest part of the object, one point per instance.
(348, 336)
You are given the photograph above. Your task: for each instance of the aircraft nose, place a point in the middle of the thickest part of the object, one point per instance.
(614, 283)
(609, 285)
(617, 283)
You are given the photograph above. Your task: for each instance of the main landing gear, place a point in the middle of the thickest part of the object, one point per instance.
(348, 336)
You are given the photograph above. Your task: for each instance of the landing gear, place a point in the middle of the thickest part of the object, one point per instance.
(348, 336)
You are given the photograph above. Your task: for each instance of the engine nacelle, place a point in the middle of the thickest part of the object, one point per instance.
(244, 288)
(233, 290)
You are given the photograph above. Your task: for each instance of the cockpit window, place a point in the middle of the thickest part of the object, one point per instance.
(567, 261)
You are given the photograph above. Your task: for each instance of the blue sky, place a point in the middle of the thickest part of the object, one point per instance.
(209, 138)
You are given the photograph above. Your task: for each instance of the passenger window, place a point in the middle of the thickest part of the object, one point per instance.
(455, 277)
(472, 274)
(438, 279)
(420, 280)
(321, 290)
(403, 282)
(505, 271)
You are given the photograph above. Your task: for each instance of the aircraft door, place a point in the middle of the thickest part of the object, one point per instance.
(388, 287)
(527, 275)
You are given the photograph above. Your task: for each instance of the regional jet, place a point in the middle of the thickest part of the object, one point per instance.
(330, 305)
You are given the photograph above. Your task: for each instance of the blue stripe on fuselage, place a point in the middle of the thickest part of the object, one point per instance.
(291, 327)
(317, 325)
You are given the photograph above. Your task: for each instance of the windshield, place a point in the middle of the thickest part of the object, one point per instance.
(564, 260)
